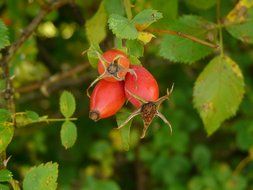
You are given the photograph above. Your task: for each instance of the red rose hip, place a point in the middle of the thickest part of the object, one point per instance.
(112, 66)
(115, 63)
(141, 84)
(106, 99)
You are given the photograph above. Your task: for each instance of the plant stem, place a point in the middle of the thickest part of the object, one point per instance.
(127, 5)
(218, 13)
(243, 163)
(59, 119)
(48, 121)
(54, 79)
(192, 38)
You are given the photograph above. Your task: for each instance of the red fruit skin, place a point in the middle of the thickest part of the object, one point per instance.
(144, 86)
(109, 57)
(107, 98)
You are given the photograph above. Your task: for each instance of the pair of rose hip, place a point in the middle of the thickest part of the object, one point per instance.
(120, 81)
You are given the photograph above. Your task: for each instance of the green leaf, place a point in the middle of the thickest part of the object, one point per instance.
(169, 9)
(244, 134)
(114, 7)
(4, 40)
(134, 60)
(201, 156)
(202, 4)
(135, 48)
(42, 177)
(96, 26)
(91, 183)
(4, 187)
(122, 27)
(118, 43)
(67, 104)
(33, 116)
(124, 131)
(25, 118)
(92, 55)
(6, 134)
(68, 134)
(101, 150)
(239, 22)
(5, 115)
(179, 49)
(218, 92)
(146, 17)
(106, 185)
(5, 175)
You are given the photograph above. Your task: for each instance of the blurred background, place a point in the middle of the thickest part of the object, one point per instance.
(188, 159)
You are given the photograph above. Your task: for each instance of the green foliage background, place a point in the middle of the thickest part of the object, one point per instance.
(189, 159)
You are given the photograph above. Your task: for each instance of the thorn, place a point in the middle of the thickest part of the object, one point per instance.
(85, 51)
(172, 88)
(5, 162)
(44, 90)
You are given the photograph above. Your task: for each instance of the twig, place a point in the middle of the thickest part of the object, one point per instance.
(127, 5)
(60, 85)
(31, 28)
(16, 45)
(10, 52)
(242, 164)
(187, 36)
(44, 85)
(218, 12)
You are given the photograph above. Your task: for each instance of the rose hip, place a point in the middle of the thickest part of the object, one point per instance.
(112, 66)
(142, 84)
(106, 99)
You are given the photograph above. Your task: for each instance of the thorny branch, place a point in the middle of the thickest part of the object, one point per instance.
(44, 85)
(242, 164)
(16, 45)
(187, 36)
(11, 50)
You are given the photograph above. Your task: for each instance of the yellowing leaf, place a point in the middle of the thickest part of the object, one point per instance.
(218, 92)
(239, 13)
(239, 21)
(42, 177)
(145, 37)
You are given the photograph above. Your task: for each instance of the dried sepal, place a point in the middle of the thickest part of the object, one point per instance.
(148, 111)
